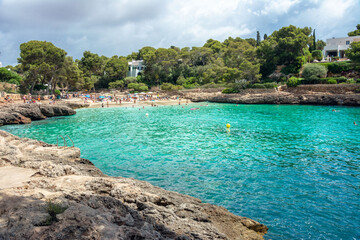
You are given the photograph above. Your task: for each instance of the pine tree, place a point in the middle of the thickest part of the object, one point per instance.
(265, 36)
(314, 44)
(258, 40)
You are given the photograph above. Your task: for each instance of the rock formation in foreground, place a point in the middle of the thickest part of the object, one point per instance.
(49, 192)
(25, 113)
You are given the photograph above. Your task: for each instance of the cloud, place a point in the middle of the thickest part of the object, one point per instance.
(110, 27)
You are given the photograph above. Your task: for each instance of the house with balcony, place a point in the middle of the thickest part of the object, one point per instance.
(135, 68)
(335, 47)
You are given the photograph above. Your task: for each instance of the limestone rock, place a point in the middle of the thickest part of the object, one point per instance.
(25, 113)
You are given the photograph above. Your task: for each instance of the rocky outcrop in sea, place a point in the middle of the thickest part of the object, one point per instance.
(50, 192)
(25, 113)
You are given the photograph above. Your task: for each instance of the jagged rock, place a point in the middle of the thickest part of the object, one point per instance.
(24, 113)
(69, 198)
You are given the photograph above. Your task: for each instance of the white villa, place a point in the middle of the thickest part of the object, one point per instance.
(135, 67)
(337, 46)
(0, 64)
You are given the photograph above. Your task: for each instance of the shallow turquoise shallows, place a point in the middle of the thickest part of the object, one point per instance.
(294, 168)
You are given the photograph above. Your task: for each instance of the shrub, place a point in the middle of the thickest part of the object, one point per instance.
(351, 81)
(52, 209)
(262, 85)
(341, 79)
(138, 87)
(229, 90)
(331, 81)
(57, 92)
(119, 84)
(293, 82)
(312, 71)
(338, 67)
(170, 87)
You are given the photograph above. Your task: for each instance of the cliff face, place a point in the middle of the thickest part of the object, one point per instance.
(25, 113)
(48, 192)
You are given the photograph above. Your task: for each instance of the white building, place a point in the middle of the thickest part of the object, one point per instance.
(337, 46)
(135, 67)
(0, 64)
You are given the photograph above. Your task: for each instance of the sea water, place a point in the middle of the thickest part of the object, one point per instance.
(294, 168)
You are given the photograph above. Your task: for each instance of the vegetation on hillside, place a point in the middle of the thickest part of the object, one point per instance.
(234, 63)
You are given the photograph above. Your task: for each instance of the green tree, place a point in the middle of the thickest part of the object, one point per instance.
(10, 76)
(284, 47)
(355, 32)
(92, 64)
(317, 54)
(70, 76)
(115, 68)
(258, 39)
(353, 53)
(265, 36)
(41, 62)
(320, 44)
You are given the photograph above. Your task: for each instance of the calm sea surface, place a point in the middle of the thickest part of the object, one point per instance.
(294, 168)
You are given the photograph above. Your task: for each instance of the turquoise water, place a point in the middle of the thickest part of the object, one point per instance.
(294, 168)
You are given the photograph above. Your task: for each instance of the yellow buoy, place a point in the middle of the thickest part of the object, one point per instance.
(228, 125)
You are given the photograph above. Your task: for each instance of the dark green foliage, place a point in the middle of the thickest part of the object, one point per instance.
(284, 47)
(119, 84)
(353, 53)
(338, 67)
(293, 82)
(141, 87)
(10, 77)
(41, 62)
(317, 54)
(258, 39)
(229, 90)
(313, 71)
(356, 32)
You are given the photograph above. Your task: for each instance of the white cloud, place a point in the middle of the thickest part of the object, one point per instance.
(278, 7)
(120, 27)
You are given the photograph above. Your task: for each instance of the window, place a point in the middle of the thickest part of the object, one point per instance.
(347, 42)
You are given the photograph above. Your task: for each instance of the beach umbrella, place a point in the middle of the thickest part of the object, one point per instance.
(101, 97)
(87, 96)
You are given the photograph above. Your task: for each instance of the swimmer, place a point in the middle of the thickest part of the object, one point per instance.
(355, 124)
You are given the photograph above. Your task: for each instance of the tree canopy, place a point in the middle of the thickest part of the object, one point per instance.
(355, 32)
(216, 62)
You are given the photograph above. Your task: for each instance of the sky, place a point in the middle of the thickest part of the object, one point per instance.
(120, 27)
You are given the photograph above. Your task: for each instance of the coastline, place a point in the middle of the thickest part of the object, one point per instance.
(96, 205)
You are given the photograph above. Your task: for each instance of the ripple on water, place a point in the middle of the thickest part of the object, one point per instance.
(293, 168)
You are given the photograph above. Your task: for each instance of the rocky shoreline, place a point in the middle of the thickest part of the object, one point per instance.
(49, 192)
(25, 113)
(341, 94)
(280, 98)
